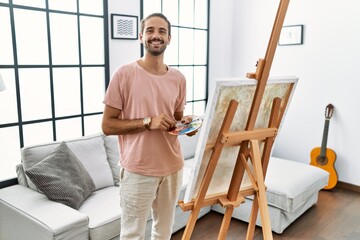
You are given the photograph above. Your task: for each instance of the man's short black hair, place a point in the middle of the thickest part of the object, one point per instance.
(160, 15)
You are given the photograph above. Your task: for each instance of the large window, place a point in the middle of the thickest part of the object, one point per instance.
(54, 61)
(188, 49)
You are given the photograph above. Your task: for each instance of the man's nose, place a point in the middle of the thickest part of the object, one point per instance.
(156, 35)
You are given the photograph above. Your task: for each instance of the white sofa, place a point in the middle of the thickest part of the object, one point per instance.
(26, 213)
(292, 188)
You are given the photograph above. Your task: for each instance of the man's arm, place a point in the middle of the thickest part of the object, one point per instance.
(112, 125)
(178, 115)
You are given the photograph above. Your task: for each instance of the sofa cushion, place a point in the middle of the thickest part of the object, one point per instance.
(27, 214)
(103, 210)
(290, 184)
(62, 177)
(90, 150)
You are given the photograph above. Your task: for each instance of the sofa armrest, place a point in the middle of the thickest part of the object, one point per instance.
(27, 214)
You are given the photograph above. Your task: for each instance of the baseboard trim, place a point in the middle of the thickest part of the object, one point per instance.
(348, 186)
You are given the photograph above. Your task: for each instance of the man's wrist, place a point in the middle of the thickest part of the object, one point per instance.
(147, 122)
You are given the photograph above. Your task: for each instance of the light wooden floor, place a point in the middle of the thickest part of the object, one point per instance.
(335, 217)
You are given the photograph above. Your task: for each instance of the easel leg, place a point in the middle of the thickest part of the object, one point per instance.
(225, 223)
(261, 194)
(252, 220)
(191, 224)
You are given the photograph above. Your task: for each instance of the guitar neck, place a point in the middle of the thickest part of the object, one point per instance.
(325, 137)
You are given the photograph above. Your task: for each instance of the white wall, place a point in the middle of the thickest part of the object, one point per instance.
(326, 65)
(123, 51)
(221, 40)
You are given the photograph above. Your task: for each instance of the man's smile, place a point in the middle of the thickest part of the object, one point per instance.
(156, 42)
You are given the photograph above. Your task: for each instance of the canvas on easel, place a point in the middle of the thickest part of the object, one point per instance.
(243, 91)
(231, 157)
(243, 118)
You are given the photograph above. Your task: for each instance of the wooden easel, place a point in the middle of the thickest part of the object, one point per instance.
(249, 150)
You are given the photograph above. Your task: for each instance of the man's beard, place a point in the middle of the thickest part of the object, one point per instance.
(155, 51)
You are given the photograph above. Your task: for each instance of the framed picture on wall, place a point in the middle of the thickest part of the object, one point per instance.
(124, 26)
(291, 35)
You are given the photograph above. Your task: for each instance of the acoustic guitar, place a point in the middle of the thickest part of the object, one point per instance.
(325, 157)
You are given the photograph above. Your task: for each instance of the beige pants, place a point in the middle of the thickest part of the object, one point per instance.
(141, 194)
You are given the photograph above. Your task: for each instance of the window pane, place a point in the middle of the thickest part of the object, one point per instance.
(6, 47)
(64, 39)
(171, 11)
(32, 136)
(195, 108)
(91, 7)
(189, 75)
(93, 124)
(186, 13)
(200, 41)
(199, 83)
(199, 108)
(186, 46)
(9, 97)
(188, 109)
(66, 91)
(172, 52)
(68, 129)
(33, 3)
(35, 93)
(92, 40)
(44, 91)
(93, 89)
(9, 152)
(201, 13)
(31, 37)
(63, 5)
(151, 6)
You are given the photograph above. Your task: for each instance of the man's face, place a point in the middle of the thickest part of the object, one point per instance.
(155, 36)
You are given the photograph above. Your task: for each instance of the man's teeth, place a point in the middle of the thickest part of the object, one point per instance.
(156, 42)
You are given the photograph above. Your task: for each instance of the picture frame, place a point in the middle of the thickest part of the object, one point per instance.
(124, 27)
(291, 35)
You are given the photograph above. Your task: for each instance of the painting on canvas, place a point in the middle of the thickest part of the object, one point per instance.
(242, 90)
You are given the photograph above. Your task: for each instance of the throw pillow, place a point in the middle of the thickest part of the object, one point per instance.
(62, 177)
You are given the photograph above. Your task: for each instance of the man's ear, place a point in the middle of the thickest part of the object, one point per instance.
(169, 38)
(140, 38)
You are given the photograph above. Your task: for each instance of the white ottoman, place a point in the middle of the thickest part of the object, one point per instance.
(292, 188)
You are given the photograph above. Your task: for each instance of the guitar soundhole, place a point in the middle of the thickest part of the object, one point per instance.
(322, 160)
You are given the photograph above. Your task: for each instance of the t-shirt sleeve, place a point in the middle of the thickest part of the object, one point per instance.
(113, 95)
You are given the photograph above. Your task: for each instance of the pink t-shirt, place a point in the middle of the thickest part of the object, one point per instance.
(139, 94)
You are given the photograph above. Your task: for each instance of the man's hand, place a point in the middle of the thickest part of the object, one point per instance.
(187, 119)
(162, 122)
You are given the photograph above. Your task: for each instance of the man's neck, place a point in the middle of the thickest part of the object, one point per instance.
(153, 64)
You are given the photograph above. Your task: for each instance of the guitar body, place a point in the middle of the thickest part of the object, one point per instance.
(327, 163)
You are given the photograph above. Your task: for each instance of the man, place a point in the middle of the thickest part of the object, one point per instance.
(144, 100)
